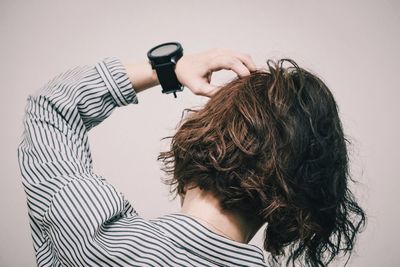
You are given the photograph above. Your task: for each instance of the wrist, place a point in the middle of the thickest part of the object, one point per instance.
(141, 75)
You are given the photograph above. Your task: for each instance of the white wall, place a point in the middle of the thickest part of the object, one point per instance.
(353, 45)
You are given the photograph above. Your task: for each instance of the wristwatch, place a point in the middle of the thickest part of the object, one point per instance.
(163, 59)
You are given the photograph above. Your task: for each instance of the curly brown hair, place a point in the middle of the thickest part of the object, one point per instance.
(270, 146)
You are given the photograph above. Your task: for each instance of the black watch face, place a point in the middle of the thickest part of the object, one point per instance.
(164, 50)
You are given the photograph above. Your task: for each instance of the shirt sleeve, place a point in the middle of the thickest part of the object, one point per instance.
(68, 203)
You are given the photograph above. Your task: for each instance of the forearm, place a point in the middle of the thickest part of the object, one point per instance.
(141, 75)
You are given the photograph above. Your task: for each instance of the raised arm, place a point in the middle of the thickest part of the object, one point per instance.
(67, 202)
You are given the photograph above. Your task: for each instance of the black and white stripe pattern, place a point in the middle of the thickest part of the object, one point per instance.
(79, 219)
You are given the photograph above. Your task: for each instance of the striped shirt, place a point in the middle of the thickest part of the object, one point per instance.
(77, 218)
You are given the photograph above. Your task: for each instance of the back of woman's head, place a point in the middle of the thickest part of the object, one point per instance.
(270, 146)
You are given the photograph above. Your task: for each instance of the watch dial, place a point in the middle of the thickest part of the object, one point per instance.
(164, 50)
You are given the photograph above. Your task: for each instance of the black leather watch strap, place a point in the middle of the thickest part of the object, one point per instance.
(167, 77)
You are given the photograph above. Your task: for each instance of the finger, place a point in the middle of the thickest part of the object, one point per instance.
(237, 66)
(247, 61)
(214, 91)
(207, 89)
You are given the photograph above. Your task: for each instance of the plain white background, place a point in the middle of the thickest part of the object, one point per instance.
(352, 45)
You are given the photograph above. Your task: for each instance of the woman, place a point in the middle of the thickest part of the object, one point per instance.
(268, 147)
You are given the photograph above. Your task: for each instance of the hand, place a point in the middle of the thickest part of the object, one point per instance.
(194, 71)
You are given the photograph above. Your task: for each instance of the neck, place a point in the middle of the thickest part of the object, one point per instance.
(205, 208)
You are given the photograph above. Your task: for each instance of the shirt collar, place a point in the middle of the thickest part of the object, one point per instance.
(191, 235)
